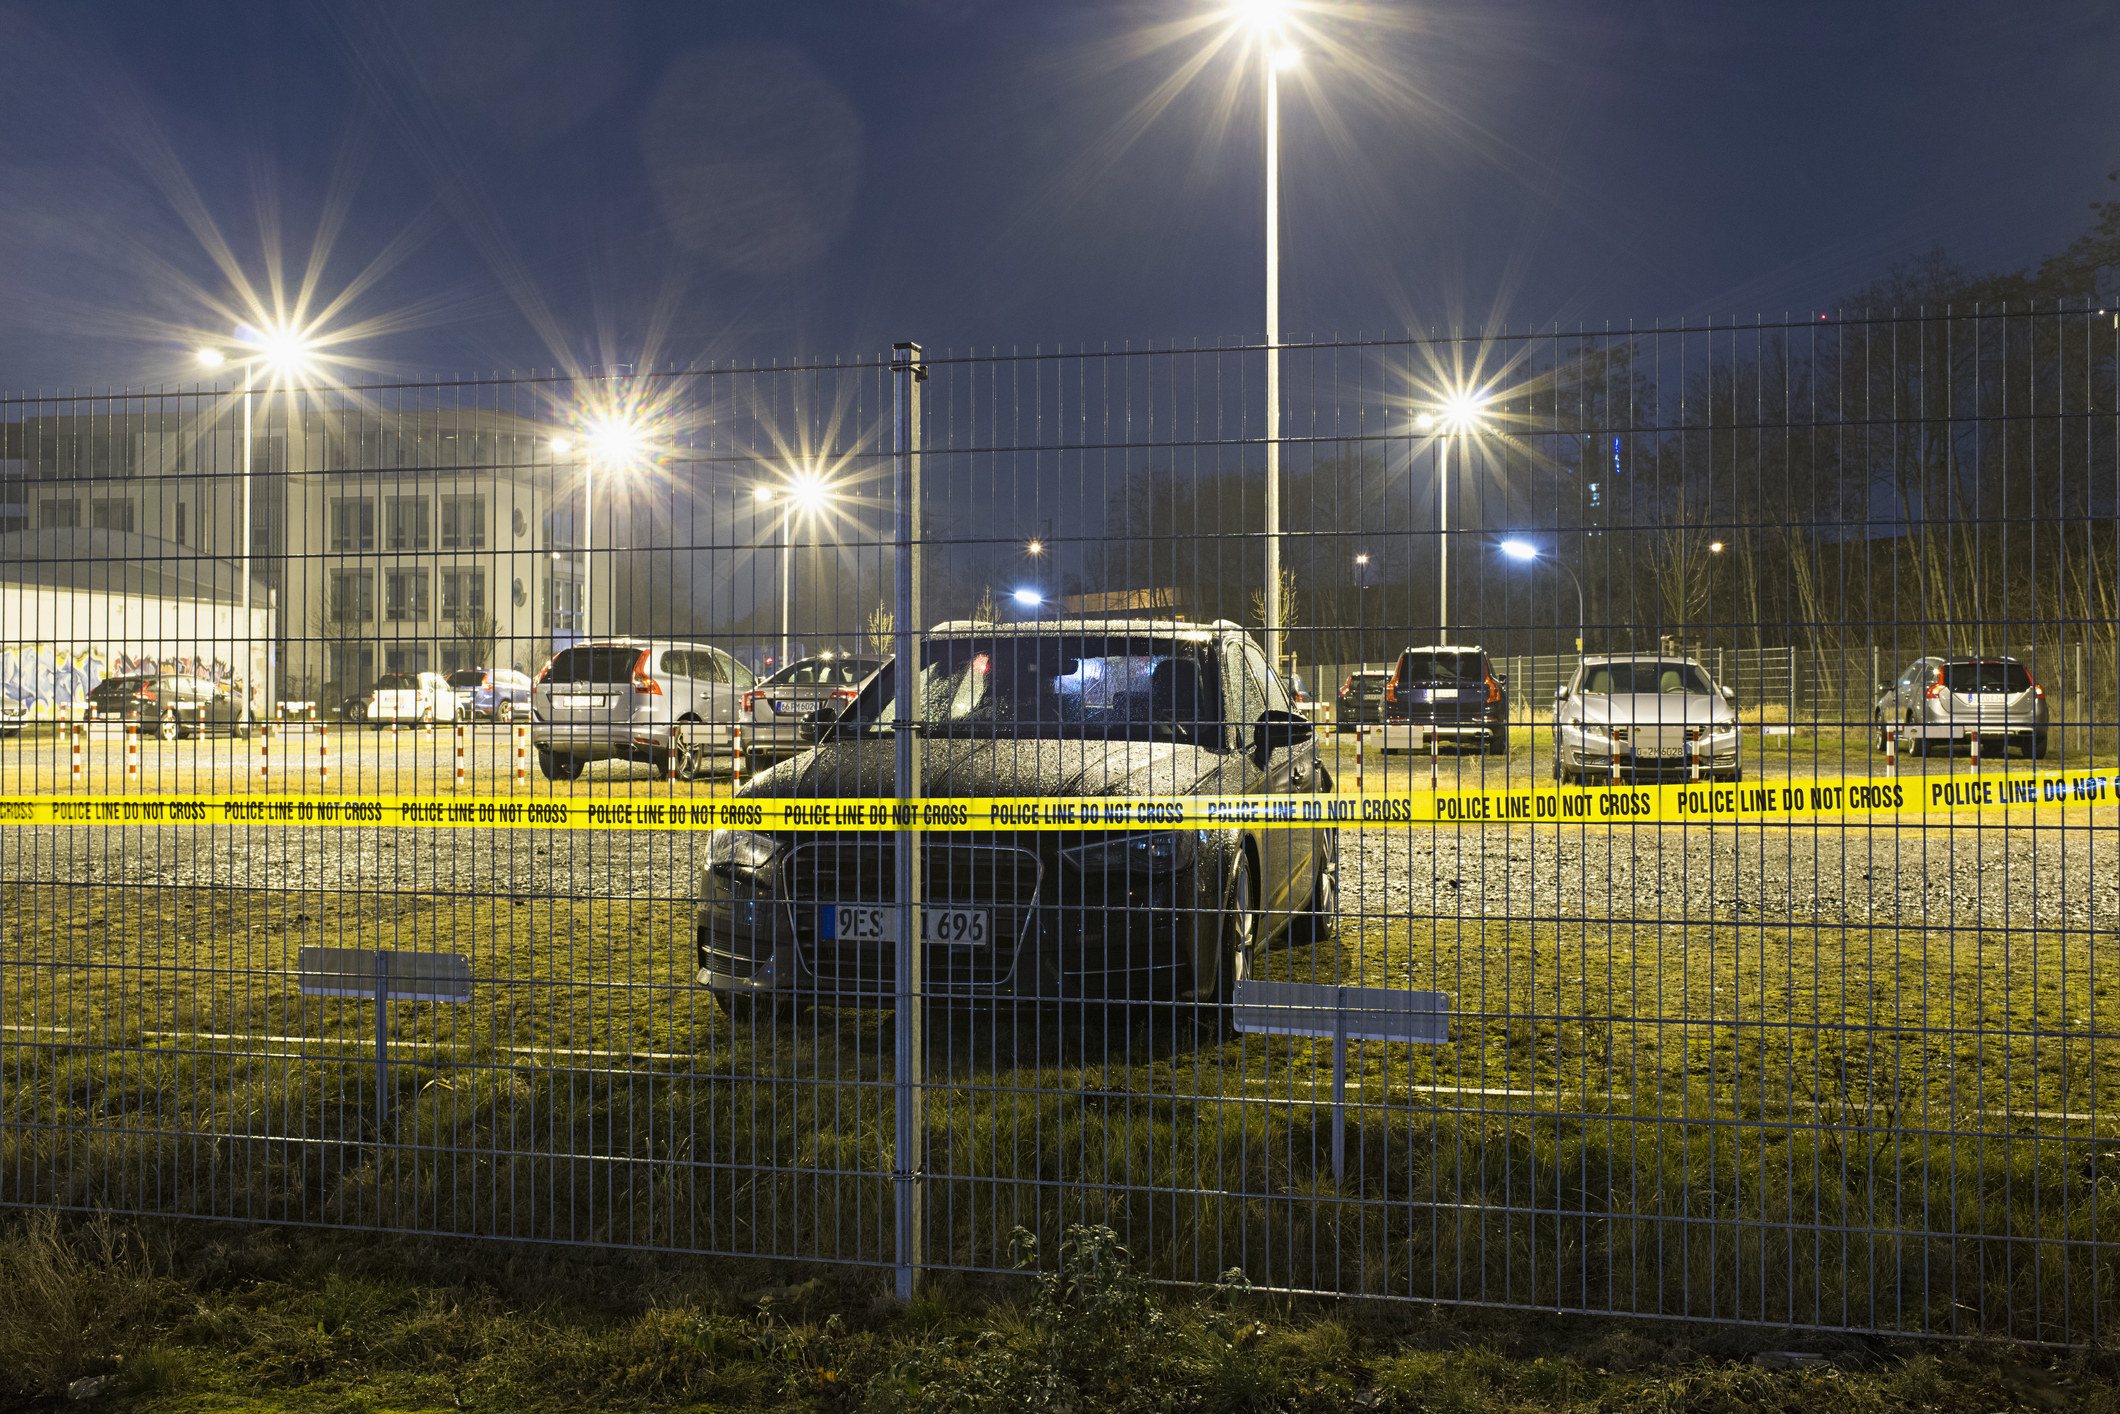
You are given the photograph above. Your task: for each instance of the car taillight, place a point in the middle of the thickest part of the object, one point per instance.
(544, 672)
(642, 683)
(1494, 690)
(2039, 692)
(845, 694)
(1935, 688)
(1391, 690)
(750, 700)
(146, 694)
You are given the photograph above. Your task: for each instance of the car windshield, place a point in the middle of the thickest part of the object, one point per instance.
(594, 663)
(1444, 666)
(468, 677)
(822, 672)
(1990, 676)
(396, 682)
(1115, 688)
(1627, 679)
(121, 684)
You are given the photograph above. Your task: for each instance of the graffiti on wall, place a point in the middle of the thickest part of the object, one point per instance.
(51, 681)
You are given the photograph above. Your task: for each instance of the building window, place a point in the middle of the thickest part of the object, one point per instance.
(110, 515)
(352, 525)
(405, 657)
(405, 523)
(463, 522)
(183, 524)
(352, 666)
(58, 515)
(463, 593)
(563, 604)
(405, 594)
(352, 596)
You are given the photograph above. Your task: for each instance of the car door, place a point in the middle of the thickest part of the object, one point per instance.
(1284, 854)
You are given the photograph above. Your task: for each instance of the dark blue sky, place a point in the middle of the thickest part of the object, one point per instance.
(545, 180)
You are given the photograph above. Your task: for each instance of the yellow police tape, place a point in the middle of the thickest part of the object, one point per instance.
(1766, 802)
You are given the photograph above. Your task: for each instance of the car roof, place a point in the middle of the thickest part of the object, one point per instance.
(1442, 648)
(1590, 658)
(1159, 628)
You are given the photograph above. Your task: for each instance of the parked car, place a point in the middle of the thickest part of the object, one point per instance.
(170, 705)
(14, 716)
(354, 706)
(1448, 689)
(1649, 714)
(1299, 693)
(1944, 700)
(411, 697)
(497, 694)
(776, 714)
(1362, 698)
(667, 703)
(1071, 708)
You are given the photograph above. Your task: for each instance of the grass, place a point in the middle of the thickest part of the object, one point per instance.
(191, 1317)
(1863, 1127)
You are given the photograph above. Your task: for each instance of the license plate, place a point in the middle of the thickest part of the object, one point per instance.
(1666, 753)
(878, 923)
(576, 701)
(780, 706)
(1439, 694)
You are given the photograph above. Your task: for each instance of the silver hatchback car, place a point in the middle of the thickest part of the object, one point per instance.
(1939, 702)
(668, 703)
(1647, 715)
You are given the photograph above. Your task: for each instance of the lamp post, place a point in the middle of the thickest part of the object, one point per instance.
(805, 493)
(1265, 16)
(1526, 552)
(1361, 610)
(616, 439)
(1460, 414)
(284, 348)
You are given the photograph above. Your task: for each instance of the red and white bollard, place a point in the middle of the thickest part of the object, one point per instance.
(1435, 752)
(1692, 757)
(1613, 749)
(1976, 748)
(459, 755)
(79, 733)
(1361, 735)
(522, 755)
(323, 751)
(738, 767)
(132, 751)
(265, 752)
(427, 722)
(1891, 750)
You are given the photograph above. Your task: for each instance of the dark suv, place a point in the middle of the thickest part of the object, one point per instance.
(171, 705)
(1451, 690)
(1071, 708)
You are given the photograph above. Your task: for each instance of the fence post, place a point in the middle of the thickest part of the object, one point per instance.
(1792, 687)
(323, 751)
(909, 1158)
(2083, 702)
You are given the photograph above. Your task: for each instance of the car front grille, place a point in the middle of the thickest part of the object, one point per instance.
(1003, 879)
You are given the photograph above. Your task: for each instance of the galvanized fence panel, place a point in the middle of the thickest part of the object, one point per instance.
(487, 809)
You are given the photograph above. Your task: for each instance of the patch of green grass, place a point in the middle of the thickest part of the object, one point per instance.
(192, 1317)
(1842, 1126)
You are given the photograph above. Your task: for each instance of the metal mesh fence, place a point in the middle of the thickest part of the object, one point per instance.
(507, 809)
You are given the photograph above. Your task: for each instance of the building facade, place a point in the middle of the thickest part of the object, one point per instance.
(385, 539)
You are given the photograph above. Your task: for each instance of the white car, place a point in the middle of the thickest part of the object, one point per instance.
(1644, 716)
(412, 697)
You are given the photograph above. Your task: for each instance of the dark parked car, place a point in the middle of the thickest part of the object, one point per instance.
(776, 712)
(171, 705)
(498, 694)
(1068, 708)
(1451, 690)
(1362, 698)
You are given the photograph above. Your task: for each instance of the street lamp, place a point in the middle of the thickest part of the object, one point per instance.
(278, 350)
(1460, 413)
(806, 494)
(615, 439)
(1526, 552)
(1027, 598)
(1361, 609)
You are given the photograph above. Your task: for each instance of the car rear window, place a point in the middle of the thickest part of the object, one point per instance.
(396, 682)
(1629, 679)
(593, 663)
(120, 684)
(1986, 677)
(468, 677)
(1442, 667)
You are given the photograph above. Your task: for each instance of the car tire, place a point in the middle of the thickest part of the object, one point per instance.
(1877, 737)
(504, 710)
(557, 767)
(1319, 922)
(1235, 949)
(1917, 746)
(1496, 744)
(170, 729)
(2039, 746)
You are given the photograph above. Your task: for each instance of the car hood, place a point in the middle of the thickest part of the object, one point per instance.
(1653, 709)
(991, 768)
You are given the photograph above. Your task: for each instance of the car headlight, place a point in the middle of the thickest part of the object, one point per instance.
(730, 850)
(1160, 853)
(1591, 731)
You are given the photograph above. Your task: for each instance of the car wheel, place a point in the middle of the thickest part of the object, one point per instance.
(1319, 922)
(1879, 735)
(1497, 744)
(2039, 746)
(504, 710)
(1232, 952)
(169, 730)
(558, 767)
(1919, 745)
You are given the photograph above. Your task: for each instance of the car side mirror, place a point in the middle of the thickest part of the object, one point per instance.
(1729, 695)
(1560, 694)
(1278, 731)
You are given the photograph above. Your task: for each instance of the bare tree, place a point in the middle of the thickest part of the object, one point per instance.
(477, 634)
(880, 630)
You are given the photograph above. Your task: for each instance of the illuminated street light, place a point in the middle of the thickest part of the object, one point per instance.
(1036, 547)
(616, 440)
(283, 351)
(1028, 598)
(1526, 552)
(1460, 414)
(1715, 547)
(806, 494)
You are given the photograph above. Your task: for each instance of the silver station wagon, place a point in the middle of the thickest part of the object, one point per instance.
(1646, 716)
(670, 704)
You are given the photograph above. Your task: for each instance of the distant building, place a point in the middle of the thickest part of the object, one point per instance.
(1126, 603)
(394, 540)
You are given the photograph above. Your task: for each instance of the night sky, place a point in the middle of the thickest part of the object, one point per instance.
(529, 183)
